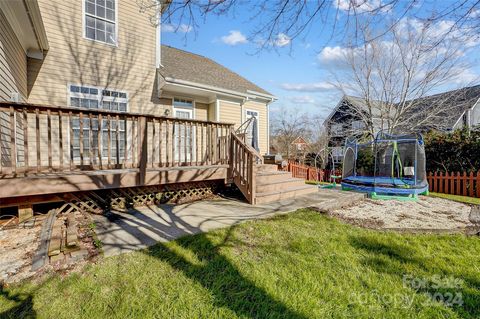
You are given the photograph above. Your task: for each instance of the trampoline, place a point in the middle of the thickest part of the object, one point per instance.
(390, 165)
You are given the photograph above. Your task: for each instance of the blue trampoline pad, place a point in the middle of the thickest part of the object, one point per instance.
(380, 180)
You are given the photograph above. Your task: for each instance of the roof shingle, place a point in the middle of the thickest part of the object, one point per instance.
(186, 66)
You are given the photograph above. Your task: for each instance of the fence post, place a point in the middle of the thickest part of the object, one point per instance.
(478, 184)
(464, 180)
(471, 185)
(457, 181)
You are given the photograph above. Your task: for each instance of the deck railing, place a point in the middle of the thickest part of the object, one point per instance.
(41, 139)
(244, 158)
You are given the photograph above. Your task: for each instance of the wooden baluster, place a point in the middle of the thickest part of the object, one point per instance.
(190, 137)
(203, 141)
(117, 137)
(13, 141)
(196, 144)
(185, 145)
(90, 139)
(154, 123)
(175, 136)
(160, 143)
(49, 137)
(109, 141)
(37, 137)
(60, 137)
(81, 139)
(167, 150)
(133, 142)
(71, 139)
(100, 140)
(125, 142)
(25, 140)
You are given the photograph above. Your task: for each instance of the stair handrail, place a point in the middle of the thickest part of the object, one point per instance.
(243, 167)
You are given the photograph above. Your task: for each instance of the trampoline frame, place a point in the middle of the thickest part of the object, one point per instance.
(387, 190)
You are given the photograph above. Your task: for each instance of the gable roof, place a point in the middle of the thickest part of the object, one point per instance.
(454, 103)
(186, 66)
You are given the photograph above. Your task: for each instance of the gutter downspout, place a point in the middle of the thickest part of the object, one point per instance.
(158, 35)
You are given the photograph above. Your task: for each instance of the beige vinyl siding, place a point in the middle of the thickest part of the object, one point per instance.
(231, 112)
(201, 111)
(262, 123)
(13, 63)
(129, 66)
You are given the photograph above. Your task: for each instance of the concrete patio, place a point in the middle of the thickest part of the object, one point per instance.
(145, 226)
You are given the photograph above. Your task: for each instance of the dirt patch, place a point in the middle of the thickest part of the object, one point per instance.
(20, 243)
(428, 213)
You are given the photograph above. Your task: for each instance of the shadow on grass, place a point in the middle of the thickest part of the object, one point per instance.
(23, 307)
(216, 273)
(458, 291)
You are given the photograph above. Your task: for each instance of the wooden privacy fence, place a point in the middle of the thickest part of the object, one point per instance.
(455, 183)
(447, 183)
(311, 173)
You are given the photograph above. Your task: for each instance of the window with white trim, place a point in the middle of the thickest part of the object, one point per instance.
(96, 98)
(100, 24)
(358, 125)
(336, 129)
(183, 103)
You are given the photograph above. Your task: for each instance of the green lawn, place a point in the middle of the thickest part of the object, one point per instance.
(302, 265)
(458, 198)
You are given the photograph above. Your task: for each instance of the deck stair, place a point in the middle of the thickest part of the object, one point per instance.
(273, 185)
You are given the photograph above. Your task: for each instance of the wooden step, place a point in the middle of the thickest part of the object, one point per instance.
(271, 177)
(293, 192)
(279, 185)
(267, 168)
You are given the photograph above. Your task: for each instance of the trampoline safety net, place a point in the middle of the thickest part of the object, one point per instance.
(390, 164)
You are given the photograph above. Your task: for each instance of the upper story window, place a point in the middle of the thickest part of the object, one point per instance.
(358, 125)
(336, 129)
(182, 103)
(100, 21)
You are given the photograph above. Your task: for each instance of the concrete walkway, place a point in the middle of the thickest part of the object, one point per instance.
(145, 226)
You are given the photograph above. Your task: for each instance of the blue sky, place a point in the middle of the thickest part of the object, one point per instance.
(296, 73)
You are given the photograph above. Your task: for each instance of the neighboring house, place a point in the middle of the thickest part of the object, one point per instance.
(459, 108)
(101, 91)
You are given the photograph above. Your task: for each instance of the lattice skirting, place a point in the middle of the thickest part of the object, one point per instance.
(124, 198)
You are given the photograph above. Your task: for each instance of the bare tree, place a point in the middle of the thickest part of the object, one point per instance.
(286, 127)
(277, 23)
(391, 76)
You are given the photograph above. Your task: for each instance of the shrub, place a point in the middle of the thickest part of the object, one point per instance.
(456, 151)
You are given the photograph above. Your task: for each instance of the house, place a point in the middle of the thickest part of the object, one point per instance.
(445, 111)
(90, 100)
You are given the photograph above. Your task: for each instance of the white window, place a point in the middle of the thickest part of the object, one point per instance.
(358, 125)
(336, 129)
(249, 133)
(182, 103)
(100, 21)
(96, 98)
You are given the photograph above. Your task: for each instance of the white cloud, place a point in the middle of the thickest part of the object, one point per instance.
(302, 99)
(182, 28)
(360, 6)
(282, 40)
(308, 87)
(332, 54)
(234, 37)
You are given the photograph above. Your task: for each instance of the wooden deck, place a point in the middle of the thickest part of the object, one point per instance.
(48, 150)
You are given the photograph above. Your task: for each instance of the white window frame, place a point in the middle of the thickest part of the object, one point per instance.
(358, 125)
(84, 25)
(336, 129)
(258, 123)
(178, 153)
(100, 99)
